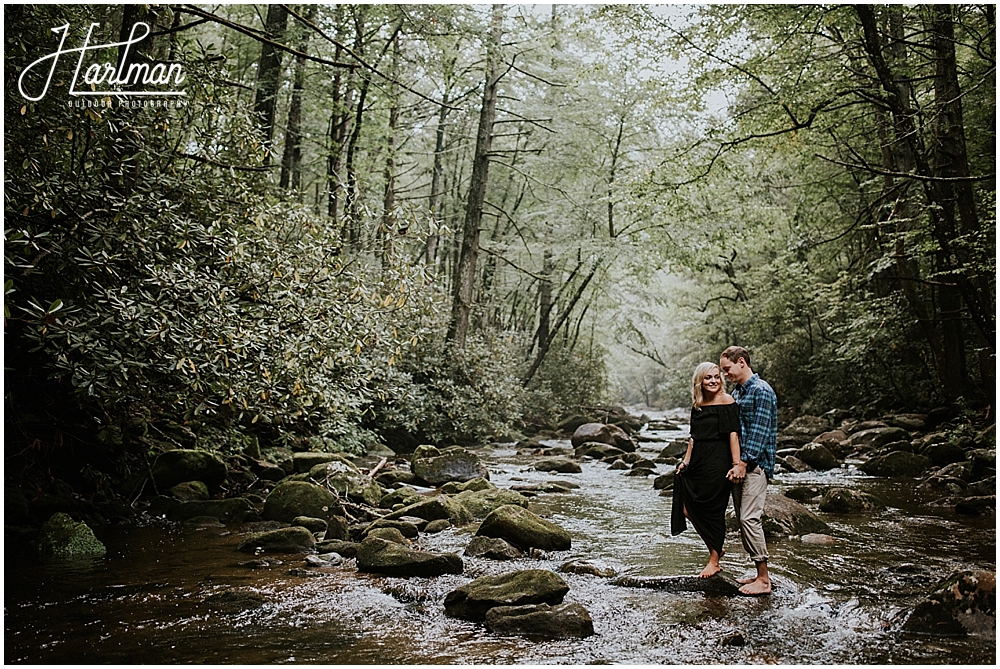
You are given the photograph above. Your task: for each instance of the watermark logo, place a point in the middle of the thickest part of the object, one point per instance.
(107, 75)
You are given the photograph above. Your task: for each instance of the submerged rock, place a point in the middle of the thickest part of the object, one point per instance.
(896, 464)
(530, 586)
(584, 567)
(561, 465)
(846, 500)
(721, 584)
(568, 620)
(286, 540)
(379, 556)
(491, 548)
(524, 529)
(963, 604)
(63, 537)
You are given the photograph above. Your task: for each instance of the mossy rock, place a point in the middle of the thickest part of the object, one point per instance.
(233, 510)
(524, 529)
(63, 537)
(482, 503)
(379, 556)
(190, 491)
(529, 586)
(476, 484)
(298, 498)
(178, 466)
(285, 540)
(435, 508)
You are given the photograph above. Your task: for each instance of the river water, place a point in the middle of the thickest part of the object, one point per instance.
(145, 602)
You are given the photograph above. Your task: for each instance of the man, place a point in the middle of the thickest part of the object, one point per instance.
(758, 443)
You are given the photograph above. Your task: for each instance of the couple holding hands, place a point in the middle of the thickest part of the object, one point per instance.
(730, 453)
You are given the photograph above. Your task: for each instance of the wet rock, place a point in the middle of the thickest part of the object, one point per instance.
(909, 421)
(803, 493)
(585, 567)
(793, 464)
(784, 517)
(298, 498)
(601, 433)
(439, 467)
(232, 601)
(597, 450)
(284, 540)
(896, 464)
(664, 481)
(817, 456)
(721, 584)
(619, 465)
(983, 487)
(305, 573)
(259, 563)
(530, 586)
(395, 477)
(986, 438)
(178, 466)
(962, 604)
(568, 620)
(640, 471)
(833, 440)
(524, 529)
(818, 539)
(64, 538)
(877, 436)
(733, 639)
(324, 560)
(435, 508)
(846, 500)
(189, 491)
(570, 424)
(405, 496)
(984, 462)
(676, 449)
(345, 478)
(482, 503)
(976, 506)
(233, 510)
(378, 556)
(472, 485)
(314, 525)
(560, 465)
(435, 526)
(388, 534)
(944, 453)
(808, 426)
(491, 548)
(347, 549)
(406, 529)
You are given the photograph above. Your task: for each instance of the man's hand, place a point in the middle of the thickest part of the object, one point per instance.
(738, 472)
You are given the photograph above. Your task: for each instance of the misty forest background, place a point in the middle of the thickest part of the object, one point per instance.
(408, 224)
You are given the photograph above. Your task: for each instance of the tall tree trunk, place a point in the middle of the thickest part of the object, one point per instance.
(341, 100)
(291, 159)
(466, 272)
(437, 171)
(389, 200)
(269, 74)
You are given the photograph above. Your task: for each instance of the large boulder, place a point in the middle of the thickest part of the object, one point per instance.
(437, 467)
(298, 498)
(441, 507)
(344, 477)
(62, 537)
(405, 496)
(482, 503)
(845, 500)
(530, 586)
(896, 464)
(875, 437)
(284, 540)
(605, 434)
(909, 421)
(232, 510)
(963, 604)
(472, 485)
(817, 456)
(178, 466)
(784, 517)
(378, 556)
(808, 426)
(305, 461)
(597, 450)
(561, 465)
(567, 620)
(524, 529)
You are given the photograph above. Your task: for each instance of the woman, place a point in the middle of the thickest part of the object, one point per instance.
(703, 480)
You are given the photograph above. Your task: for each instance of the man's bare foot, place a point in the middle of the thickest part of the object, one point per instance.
(710, 570)
(744, 581)
(756, 588)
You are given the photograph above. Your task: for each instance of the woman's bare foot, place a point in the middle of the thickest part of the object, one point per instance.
(757, 587)
(710, 570)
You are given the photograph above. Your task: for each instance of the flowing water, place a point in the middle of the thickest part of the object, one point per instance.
(145, 602)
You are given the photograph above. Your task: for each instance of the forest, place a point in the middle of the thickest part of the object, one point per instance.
(345, 225)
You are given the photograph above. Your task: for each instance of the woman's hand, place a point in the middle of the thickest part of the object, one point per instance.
(682, 466)
(737, 473)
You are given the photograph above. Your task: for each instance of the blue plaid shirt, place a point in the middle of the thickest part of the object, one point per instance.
(758, 423)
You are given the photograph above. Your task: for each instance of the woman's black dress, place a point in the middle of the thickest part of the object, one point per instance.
(702, 487)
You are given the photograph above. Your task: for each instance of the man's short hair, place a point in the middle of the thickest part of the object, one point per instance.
(734, 353)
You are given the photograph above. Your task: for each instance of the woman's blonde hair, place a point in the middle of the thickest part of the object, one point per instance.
(700, 372)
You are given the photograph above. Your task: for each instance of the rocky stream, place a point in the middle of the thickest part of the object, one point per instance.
(553, 550)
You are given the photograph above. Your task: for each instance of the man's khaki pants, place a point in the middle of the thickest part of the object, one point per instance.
(748, 503)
